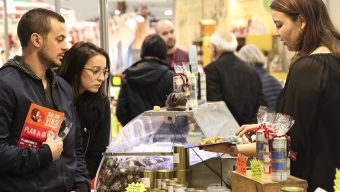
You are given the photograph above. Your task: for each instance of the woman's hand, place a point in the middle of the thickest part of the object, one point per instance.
(248, 150)
(218, 148)
(248, 130)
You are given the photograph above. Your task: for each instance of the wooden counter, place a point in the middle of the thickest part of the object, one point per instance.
(241, 183)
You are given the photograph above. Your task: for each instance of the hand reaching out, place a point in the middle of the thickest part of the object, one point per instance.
(245, 149)
(248, 130)
(218, 148)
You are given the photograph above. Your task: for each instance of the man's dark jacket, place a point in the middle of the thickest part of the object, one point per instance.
(29, 169)
(145, 84)
(231, 80)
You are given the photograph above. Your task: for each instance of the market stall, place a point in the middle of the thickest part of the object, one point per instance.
(165, 141)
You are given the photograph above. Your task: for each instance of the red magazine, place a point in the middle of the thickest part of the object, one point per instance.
(39, 121)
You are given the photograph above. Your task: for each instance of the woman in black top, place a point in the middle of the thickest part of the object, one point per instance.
(312, 91)
(85, 67)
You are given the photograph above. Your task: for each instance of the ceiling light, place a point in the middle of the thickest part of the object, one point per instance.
(168, 12)
(117, 12)
(140, 19)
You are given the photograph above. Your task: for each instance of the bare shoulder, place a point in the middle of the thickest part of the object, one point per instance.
(321, 49)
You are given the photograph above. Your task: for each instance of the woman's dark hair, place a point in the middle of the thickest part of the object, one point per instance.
(90, 106)
(319, 29)
(36, 21)
(75, 60)
(154, 46)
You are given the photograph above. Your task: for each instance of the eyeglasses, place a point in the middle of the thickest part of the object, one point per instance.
(96, 72)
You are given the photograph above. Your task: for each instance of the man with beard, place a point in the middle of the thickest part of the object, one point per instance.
(166, 30)
(58, 165)
(231, 80)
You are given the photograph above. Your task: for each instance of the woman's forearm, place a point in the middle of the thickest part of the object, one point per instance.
(248, 150)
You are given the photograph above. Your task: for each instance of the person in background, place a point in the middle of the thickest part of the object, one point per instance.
(147, 82)
(231, 80)
(271, 87)
(142, 28)
(58, 165)
(166, 30)
(86, 67)
(311, 94)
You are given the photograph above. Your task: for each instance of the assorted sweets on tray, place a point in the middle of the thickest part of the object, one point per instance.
(233, 140)
(210, 140)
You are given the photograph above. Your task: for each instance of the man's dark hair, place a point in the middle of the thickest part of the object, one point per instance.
(154, 45)
(36, 21)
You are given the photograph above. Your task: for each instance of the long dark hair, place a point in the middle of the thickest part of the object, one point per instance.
(71, 69)
(319, 29)
(75, 60)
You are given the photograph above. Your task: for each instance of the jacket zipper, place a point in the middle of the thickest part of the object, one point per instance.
(87, 144)
(61, 161)
(53, 99)
(40, 97)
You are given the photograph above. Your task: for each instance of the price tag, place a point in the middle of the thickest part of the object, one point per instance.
(241, 164)
(256, 169)
(136, 187)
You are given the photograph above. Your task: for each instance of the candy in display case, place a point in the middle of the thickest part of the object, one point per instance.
(147, 144)
(119, 169)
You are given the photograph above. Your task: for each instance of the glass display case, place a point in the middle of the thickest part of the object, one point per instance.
(147, 142)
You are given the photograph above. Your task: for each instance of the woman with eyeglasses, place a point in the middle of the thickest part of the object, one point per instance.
(85, 67)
